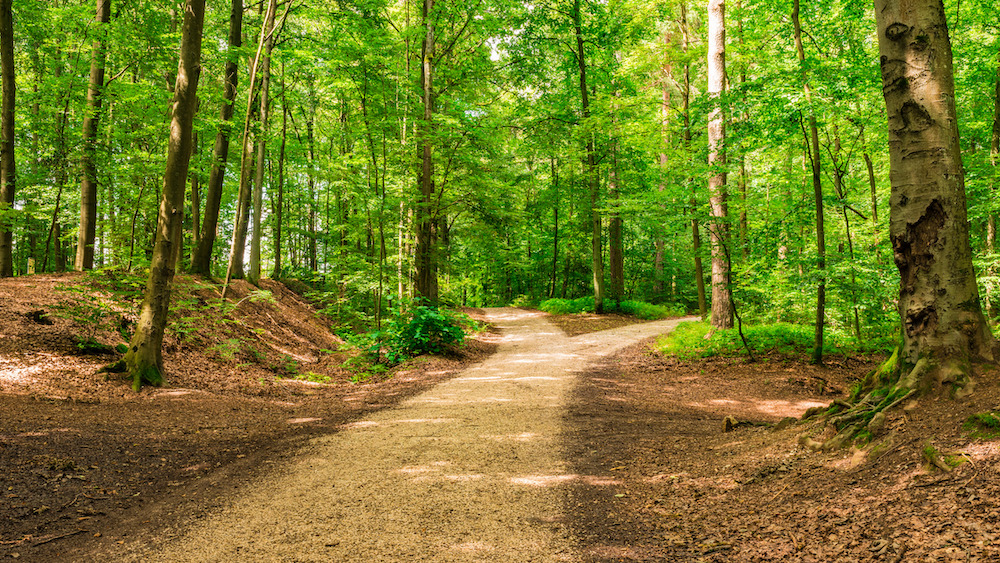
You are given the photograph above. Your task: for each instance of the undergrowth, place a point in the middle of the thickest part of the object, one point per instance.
(983, 425)
(418, 329)
(637, 309)
(687, 341)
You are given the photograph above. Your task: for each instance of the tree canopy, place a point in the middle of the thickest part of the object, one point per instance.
(490, 152)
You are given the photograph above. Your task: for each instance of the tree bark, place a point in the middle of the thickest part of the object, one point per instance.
(699, 269)
(812, 144)
(265, 113)
(425, 258)
(238, 246)
(616, 252)
(944, 329)
(555, 227)
(88, 184)
(991, 217)
(722, 296)
(202, 261)
(591, 173)
(279, 207)
(8, 173)
(144, 359)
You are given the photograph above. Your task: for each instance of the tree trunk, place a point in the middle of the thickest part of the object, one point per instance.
(258, 185)
(8, 173)
(722, 293)
(311, 181)
(195, 201)
(202, 261)
(425, 259)
(279, 207)
(88, 166)
(591, 173)
(144, 359)
(991, 217)
(238, 246)
(699, 270)
(943, 324)
(616, 253)
(872, 185)
(555, 228)
(812, 144)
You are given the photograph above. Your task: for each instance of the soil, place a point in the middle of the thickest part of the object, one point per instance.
(685, 489)
(640, 466)
(83, 457)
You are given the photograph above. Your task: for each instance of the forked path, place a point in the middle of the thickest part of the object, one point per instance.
(468, 471)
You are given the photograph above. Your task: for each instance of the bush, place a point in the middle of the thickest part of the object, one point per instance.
(688, 341)
(638, 309)
(423, 329)
(647, 311)
(568, 306)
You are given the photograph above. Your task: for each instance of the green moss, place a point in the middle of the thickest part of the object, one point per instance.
(148, 375)
(983, 425)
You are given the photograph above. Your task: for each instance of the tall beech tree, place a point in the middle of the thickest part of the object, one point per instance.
(944, 329)
(592, 172)
(815, 167)
(144, 359)
(426, 256)
(722, 293)
(8, 173)
(86, 235)
(202, 260)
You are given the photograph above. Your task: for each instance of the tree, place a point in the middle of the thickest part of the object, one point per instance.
(202, 260)
(8, 174)
(722, 293)
(425, 259)
(944, 329)
(244, 197)
(592, 174)
(812, 145)
(86, 235)
(144, 359)
(258, 186)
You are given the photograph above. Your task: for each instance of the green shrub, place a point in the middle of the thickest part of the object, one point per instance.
(422, 329)
(567, 306)
(645, 310)
(688, 340)
(637, 309)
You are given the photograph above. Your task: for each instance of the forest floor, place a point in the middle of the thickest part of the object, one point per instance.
(631, 461)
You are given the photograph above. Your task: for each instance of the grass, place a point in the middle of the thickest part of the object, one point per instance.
(637, 309)
(688, 341)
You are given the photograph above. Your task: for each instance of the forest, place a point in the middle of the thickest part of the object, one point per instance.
(726, 274)
(486, 153)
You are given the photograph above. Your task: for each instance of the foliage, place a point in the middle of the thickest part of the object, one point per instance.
(637, 309)
(509, 135)
(420, 329)
(691, 340)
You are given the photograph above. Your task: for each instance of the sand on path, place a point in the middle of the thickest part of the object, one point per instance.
(470, 470)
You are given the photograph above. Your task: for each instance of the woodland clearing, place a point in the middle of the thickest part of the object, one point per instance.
(633, 463)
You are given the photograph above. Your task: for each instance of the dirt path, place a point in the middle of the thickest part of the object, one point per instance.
(468, 471)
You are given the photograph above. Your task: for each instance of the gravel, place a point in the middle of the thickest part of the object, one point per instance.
(470, 470)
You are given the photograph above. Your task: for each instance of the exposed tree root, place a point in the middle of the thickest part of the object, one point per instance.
(881, 390)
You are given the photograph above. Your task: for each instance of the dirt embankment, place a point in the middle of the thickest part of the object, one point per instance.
(85, 459)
